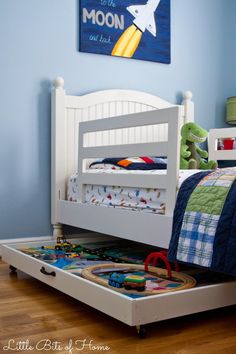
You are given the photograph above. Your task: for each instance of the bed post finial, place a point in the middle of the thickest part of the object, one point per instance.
(58, 83)
(188, 107)
(188, 95)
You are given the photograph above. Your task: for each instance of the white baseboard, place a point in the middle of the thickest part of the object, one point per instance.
(23, 240)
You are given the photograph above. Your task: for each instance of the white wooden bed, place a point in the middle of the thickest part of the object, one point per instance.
(102, 124)
(79, 133)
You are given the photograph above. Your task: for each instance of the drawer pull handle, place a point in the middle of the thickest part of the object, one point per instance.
(43, 270)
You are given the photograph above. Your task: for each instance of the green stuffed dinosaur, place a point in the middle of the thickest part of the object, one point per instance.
(191, 155)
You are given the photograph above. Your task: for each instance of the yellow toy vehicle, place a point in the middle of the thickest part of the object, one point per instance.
(62, 244)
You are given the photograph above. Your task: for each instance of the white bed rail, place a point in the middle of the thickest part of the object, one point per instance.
(170, 148)
(214, 136)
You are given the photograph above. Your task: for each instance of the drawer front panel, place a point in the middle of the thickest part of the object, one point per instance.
(101, 298)
(185, 302)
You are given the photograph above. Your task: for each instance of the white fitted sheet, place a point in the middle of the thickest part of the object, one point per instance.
(140, 199)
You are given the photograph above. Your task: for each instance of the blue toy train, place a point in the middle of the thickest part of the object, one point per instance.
(116, 280)
(129, 282)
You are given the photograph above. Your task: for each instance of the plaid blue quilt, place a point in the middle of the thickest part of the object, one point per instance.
(200, 235)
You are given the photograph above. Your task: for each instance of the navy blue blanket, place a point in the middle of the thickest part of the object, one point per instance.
(134, 163)
(224, 247)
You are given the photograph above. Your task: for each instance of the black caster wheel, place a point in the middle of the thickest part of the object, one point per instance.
(141, 331)
(12, 268)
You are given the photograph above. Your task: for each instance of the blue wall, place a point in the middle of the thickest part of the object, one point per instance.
(229, 49)
(39, 41)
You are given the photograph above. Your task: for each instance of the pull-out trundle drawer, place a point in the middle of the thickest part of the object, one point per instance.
(132, 311)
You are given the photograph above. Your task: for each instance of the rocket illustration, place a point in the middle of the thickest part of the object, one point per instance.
(144, 16)
(144, 19)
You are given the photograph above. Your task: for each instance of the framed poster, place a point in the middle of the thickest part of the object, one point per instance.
(138, 29)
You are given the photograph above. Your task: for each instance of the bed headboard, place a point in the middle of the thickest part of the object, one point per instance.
(68, 111)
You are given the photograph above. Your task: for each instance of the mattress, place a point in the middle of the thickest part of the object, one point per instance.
(139, 199)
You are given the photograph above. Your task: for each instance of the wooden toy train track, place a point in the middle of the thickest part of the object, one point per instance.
(178, 281)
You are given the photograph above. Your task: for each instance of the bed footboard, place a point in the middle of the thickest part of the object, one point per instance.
(214, 136)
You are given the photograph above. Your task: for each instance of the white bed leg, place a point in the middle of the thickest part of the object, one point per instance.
(57, 230)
